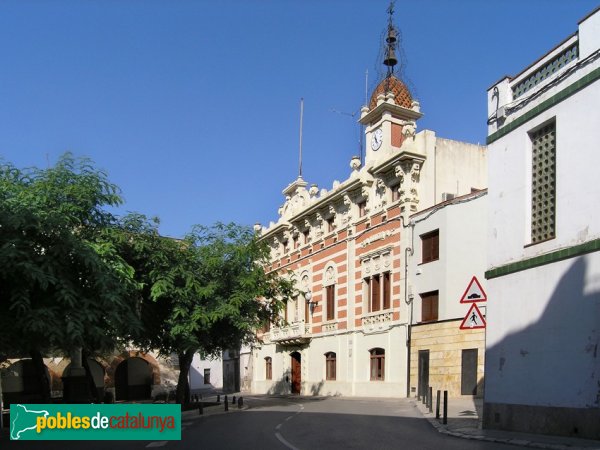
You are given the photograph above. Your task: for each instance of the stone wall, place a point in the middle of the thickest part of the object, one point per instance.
(445, 342)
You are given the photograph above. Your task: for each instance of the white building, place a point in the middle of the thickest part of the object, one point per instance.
(543, 336)
(347, 333)
(448, 242)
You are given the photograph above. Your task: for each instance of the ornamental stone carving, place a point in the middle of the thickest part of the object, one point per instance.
(364, 192)
(409, 129)
(377, 322)
(415, 172)
(399, 172)
(330, 275)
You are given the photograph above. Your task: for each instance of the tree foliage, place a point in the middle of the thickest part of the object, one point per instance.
(61, 286)
(75, 276)
(206, 292)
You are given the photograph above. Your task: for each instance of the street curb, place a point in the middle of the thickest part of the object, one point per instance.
(443, 429)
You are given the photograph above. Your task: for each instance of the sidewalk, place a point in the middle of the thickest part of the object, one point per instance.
(464, 421)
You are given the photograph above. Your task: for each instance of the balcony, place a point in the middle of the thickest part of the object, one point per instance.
(293, 334)
(376, 322)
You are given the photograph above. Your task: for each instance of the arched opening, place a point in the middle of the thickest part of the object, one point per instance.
(296, 372)
(377, 364)
(97, 374)
(133, 380)
(20, 383)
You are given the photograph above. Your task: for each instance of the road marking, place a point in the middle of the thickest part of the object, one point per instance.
(284, 442)
(157, 444)
(278, 435)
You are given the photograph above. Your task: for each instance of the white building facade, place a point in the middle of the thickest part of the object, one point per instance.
(448, 262)
(348, 331)
(543, 336)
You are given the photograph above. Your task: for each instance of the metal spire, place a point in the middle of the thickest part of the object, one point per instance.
(390, 56)
(300, 158)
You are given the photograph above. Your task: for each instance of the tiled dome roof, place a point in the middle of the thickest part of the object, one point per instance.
(392, 84)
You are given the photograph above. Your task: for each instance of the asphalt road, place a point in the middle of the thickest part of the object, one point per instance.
(296, 423)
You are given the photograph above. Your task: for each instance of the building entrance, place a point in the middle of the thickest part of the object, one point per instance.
(296, 372)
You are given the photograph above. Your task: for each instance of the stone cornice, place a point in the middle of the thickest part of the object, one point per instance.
(389, 164)
(395, 110)
(329, 198)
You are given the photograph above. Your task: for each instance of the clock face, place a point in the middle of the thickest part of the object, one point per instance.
(376, 139)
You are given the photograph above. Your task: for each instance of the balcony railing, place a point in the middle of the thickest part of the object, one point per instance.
(291, 334)
(377, 321)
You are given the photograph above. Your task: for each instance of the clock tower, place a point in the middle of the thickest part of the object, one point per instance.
(391, 115)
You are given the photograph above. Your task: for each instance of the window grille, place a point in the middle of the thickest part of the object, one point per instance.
(543, 183)
(547, 70)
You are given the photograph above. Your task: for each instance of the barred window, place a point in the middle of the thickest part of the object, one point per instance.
(543, 183)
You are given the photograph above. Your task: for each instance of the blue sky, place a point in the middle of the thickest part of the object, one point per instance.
(192, 107)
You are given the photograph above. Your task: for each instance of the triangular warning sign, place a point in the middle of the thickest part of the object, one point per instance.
(473, 319)
(474, 292)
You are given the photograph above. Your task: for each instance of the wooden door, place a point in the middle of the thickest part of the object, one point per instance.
(296, 373)
(423, 373)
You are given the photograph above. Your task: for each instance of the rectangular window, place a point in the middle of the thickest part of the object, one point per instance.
(387, 290)
(543, 183)
(330, 225)
(266, 327)
(296, 242)
(268, 368)
(306, 234)
(430, 246)
(429, 306)
(330, 362)
(377, 364)
(362, 209)
(395, 192)
(375, 293)
(367, 292)
(330, 291)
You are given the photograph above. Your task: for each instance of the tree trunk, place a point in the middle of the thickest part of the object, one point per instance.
(41, 374)
(182, 395)
(88, 373)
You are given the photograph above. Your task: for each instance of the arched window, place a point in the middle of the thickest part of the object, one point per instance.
(330, 363)
(268, 368)
(329, 284)
(377, 364)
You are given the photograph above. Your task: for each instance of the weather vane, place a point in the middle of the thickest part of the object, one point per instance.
(390, 56)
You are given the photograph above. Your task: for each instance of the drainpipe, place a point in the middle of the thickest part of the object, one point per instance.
(409, 302)
(408, 251)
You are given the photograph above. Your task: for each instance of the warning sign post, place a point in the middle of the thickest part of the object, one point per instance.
(474, 319)
(474, 292)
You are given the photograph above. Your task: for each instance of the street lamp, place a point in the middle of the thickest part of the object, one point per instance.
(308, 298)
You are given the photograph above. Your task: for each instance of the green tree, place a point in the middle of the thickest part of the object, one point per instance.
(62, 286)
(207, 292)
